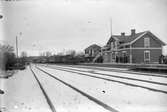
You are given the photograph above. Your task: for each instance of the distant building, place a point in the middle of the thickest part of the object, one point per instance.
(142, 47)
(91, 52)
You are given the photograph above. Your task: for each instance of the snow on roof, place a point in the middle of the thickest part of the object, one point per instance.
(129, 38)
(93, 46)
(126, 38)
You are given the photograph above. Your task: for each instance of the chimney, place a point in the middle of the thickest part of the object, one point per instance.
(133, 32)
(123, 34)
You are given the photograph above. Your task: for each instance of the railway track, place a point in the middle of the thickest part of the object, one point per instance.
(91, 98)
(119, 71)
(83, 73)
(52, 108)
(102, 74)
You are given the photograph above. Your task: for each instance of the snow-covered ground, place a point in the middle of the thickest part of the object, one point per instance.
(22, 94)
(121, 97)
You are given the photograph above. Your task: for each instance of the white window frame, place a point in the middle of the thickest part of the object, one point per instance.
(148, 55)
(112, 45)
(116, 45)
(146, 42)
(113, 57)
(89, 52)
(93, 52)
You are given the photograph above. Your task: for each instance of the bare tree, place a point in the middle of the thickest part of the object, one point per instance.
(80, 53)
(7, 56)
(23, 54)
(71, 52)
(6, 48)
(48, 54)
(23, 58)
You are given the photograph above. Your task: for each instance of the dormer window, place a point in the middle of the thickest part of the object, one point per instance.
(147, 42)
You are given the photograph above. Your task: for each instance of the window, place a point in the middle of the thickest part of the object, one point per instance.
(93, 52)
(127, 46)
(124, 53)
(121, 47)
(146, 55)
(146, 42)
(124, 58)
(115, 44)
(116, 53)
(112, 45)
(113, 56)
(90, 52)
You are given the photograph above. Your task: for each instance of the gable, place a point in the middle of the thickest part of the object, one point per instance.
(126, 39)
(136, 39)
(152, 41)
(129, 38)
(112, 39)
(151, 36)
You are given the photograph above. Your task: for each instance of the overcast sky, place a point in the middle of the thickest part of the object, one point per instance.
(60, 25)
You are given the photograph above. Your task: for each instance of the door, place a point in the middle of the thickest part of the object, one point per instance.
(147, 56)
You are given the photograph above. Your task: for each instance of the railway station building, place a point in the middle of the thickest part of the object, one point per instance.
(142, 47)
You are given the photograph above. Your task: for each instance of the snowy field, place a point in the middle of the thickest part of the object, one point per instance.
(121, 97)
(22, 94)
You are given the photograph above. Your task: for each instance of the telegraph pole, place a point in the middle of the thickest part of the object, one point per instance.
(111, 26)
(17, 47)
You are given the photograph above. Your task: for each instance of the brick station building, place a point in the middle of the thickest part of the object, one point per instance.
(142, 47)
